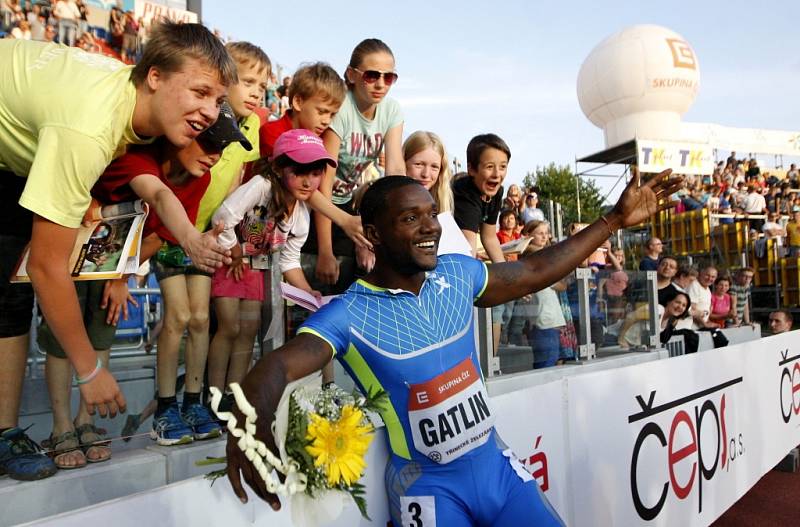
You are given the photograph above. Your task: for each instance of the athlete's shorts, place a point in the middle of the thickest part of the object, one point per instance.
(250, 287)
(491, 488)
(101, 335)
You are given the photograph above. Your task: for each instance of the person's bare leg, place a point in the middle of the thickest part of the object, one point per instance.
(58, 374)
(14, 351)
(199, 288)
(176, 318)
(219, 352)
(496, 330)
(249, 322)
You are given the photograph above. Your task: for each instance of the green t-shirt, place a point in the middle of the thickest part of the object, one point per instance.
(64, 116)
(228, 169)
(361, 143)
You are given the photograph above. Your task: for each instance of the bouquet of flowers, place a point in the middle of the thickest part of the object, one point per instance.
(322, 436)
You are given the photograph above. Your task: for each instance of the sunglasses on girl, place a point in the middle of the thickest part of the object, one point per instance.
(372, 76)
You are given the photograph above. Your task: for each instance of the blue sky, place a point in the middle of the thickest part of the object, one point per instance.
(510, 67)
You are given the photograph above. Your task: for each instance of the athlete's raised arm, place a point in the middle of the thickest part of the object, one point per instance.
(536, 271)
(263, 387)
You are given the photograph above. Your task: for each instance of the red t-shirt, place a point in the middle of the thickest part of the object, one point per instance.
(271, 131)
(114, 185)
(504, 237)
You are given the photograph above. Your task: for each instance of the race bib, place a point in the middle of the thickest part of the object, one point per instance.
(450, 414)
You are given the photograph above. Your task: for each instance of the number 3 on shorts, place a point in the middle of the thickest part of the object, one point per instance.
(418, 511)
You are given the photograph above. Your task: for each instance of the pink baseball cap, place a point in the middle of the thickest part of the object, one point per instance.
(301, 146)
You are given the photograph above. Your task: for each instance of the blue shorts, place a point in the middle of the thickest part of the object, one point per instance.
(489, 487)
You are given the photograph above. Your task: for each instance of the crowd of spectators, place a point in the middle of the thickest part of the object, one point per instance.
(690, 299)
(738, 190)
(66, 22)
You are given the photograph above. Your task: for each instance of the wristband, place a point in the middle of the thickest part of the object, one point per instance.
(608, 225)
(92, 375)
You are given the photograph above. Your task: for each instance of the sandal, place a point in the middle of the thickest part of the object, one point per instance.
(93, 442)
(60, 446)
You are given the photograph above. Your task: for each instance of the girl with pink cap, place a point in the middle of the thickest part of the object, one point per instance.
(267, 214)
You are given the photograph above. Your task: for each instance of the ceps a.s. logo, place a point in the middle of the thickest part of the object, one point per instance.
(690, 437)
(789, 370)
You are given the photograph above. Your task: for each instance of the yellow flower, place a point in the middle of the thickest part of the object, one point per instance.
(339, 446)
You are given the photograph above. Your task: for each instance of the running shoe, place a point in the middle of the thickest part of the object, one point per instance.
(170, 429)
(21, 458)
(201, 422)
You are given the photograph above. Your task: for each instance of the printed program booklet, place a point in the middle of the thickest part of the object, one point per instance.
(106, 248)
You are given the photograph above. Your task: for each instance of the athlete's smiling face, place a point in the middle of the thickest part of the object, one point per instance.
(408, 230)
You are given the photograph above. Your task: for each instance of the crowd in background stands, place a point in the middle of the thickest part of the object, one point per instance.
(66, 22)
(739, 191)
(690, 299)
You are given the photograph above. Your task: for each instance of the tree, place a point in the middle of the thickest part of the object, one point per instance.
(558, 183)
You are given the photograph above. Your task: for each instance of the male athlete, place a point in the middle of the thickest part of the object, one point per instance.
(407, 328)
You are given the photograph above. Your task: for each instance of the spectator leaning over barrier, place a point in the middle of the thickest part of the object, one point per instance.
(780, 321)
(53, 147)
(479, 197)
(653, 250)
(741, 289)
(171, 181)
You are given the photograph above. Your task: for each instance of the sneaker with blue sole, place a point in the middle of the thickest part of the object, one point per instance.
(202, 422)
(169, 428)
(22, 459)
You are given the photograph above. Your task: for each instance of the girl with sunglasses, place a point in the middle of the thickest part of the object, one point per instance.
(368, 125)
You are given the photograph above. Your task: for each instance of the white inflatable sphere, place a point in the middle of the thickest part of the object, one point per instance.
(638, 82)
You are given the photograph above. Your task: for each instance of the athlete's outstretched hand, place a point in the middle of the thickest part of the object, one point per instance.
(639, 202)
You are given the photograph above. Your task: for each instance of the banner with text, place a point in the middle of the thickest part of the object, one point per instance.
(677, 442)
(682, 158)
(667, 442)
(150, 11)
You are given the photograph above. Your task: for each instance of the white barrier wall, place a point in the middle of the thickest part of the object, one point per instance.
(671, 442)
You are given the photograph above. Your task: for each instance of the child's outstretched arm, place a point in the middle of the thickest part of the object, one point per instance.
(351, 225)
(204, 250)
